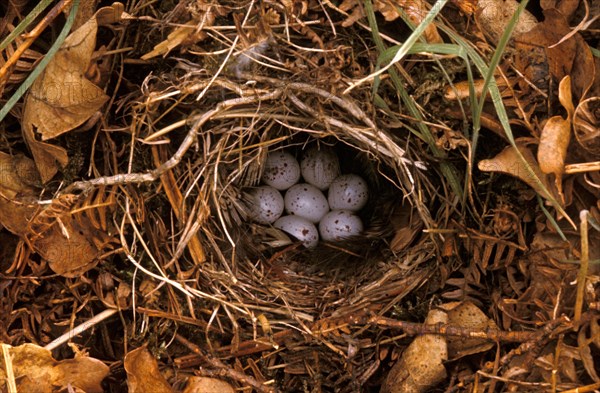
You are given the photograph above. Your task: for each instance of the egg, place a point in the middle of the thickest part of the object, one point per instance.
(300, 228)
(266, 204)
(348, 192)
(281, 170)
(306, 201)
(320, 166)
(340, 224)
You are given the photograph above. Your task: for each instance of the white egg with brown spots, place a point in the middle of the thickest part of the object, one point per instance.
(281, 170)
(320, 166)
(348, 192)
(266, 204)
(300, 228)
(340, 224)
(306, 201)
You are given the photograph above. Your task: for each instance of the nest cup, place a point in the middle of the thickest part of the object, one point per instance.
(253, 273)
(374, 155)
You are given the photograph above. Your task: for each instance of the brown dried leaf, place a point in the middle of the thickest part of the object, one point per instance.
(467, 315)
(588, 359)
(571, 57)
(508, 162)
(556, 135)
(466, 6)
(493, 17)
(35, 371)
(47, 157)
(207, 385)
(62, 98)
(18, 176)
(111, 14)
(69, 247)
(422, 364)
(143, 374)
(407, 225)
(18, 180)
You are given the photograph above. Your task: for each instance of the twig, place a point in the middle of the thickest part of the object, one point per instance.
(412, 328)
(224, 369)
(80, 329)
(133, 178)
(585, 260)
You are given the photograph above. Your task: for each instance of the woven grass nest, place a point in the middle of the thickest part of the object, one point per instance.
(294, 315)
(298, 309)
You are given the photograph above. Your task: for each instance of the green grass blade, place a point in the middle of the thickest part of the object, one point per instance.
(42, 64)
(447, 169)
(42, 5)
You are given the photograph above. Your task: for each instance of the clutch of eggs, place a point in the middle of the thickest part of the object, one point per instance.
(305, 203)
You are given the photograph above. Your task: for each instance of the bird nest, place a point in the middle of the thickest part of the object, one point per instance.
(294, 315)
(265, 292)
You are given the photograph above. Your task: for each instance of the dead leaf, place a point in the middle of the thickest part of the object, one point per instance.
(555, 137)
(467, 315)
(36, 371)
(47, 157)
(19, 177)
(508, 162)
(416, 10)
(493, 17)
(61, 99)
(538, 54)
(143, 374)
(407, 225)
(68, 247)
(422, 364)
(17, 192)
(207, 385)
(111, 14)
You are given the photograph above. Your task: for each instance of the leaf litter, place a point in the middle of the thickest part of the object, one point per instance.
(124, 184)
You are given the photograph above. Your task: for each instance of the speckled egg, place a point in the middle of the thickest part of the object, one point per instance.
(281, 170)
(266, 204)
(320, 166)
(306, 201)
(300, 228)
(340, 224)
(348, 192)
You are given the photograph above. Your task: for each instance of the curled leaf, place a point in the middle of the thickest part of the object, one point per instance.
(143, 374)
(509, 162)
(35, 371)
(556, 136)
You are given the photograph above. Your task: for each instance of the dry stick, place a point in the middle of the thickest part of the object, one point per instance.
(190, 138)
(80, 329)
(583, 267)
(412, 328)
(224, 369)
